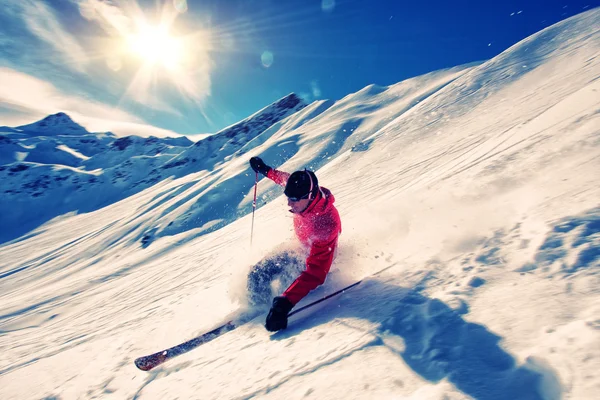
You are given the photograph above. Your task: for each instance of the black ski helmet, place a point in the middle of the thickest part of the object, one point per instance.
(301, 185)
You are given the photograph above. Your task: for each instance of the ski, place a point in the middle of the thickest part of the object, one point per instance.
(146, 363)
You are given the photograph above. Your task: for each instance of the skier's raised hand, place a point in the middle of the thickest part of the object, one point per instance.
(258, 165)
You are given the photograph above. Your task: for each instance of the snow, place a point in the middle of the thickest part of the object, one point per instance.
(74, 153)
(475, 189)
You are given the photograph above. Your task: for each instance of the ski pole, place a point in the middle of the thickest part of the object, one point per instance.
(253, 208)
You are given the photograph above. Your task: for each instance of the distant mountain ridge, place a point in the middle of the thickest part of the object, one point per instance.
(58, 140)
(54, 165)
(226, 142)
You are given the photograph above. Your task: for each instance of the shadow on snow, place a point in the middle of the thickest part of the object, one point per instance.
(438, 342)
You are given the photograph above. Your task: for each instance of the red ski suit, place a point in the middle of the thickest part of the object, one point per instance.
(318, 228)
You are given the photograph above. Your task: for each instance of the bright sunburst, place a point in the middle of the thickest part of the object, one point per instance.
(154, 45)
(165, 56)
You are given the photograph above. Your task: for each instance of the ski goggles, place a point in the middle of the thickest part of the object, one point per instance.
(307, 195)
(295, 199)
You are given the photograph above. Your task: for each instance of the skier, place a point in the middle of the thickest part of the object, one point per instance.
(317, 225)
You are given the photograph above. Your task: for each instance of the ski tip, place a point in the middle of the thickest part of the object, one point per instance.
(148, 362)
(142, 365)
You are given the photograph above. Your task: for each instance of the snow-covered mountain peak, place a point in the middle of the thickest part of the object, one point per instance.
(261, 120)
(55, 124)
(289, 101)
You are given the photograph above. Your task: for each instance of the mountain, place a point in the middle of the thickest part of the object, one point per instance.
(475, 189)
(10, 150)
(218, 147)
(123, 148)
(56, 139)
(55, 124)
(37, 186)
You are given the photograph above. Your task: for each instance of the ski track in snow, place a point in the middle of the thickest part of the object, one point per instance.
(477, 186)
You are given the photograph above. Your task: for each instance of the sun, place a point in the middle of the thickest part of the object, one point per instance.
(155, 46)
(165, 55)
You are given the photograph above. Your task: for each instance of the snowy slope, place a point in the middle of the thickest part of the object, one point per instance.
(11, 150)
(477, 185)
(54, 152)
(124, 148)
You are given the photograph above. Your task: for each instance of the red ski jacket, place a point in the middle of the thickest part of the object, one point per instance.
(318, 228)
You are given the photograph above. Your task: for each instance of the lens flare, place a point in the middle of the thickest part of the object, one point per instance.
(267, 59)
(328, 5)
(316, 90)
(180, 5)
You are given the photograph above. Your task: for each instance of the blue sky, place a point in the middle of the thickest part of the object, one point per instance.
(222, 60)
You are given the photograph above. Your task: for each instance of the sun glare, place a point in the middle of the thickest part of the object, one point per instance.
(154, 45)
(167, 56)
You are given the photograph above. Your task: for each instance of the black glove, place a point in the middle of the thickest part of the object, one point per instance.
(278, 315)
(258, 165)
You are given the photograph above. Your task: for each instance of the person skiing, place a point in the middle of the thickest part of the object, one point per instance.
(317, 225)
